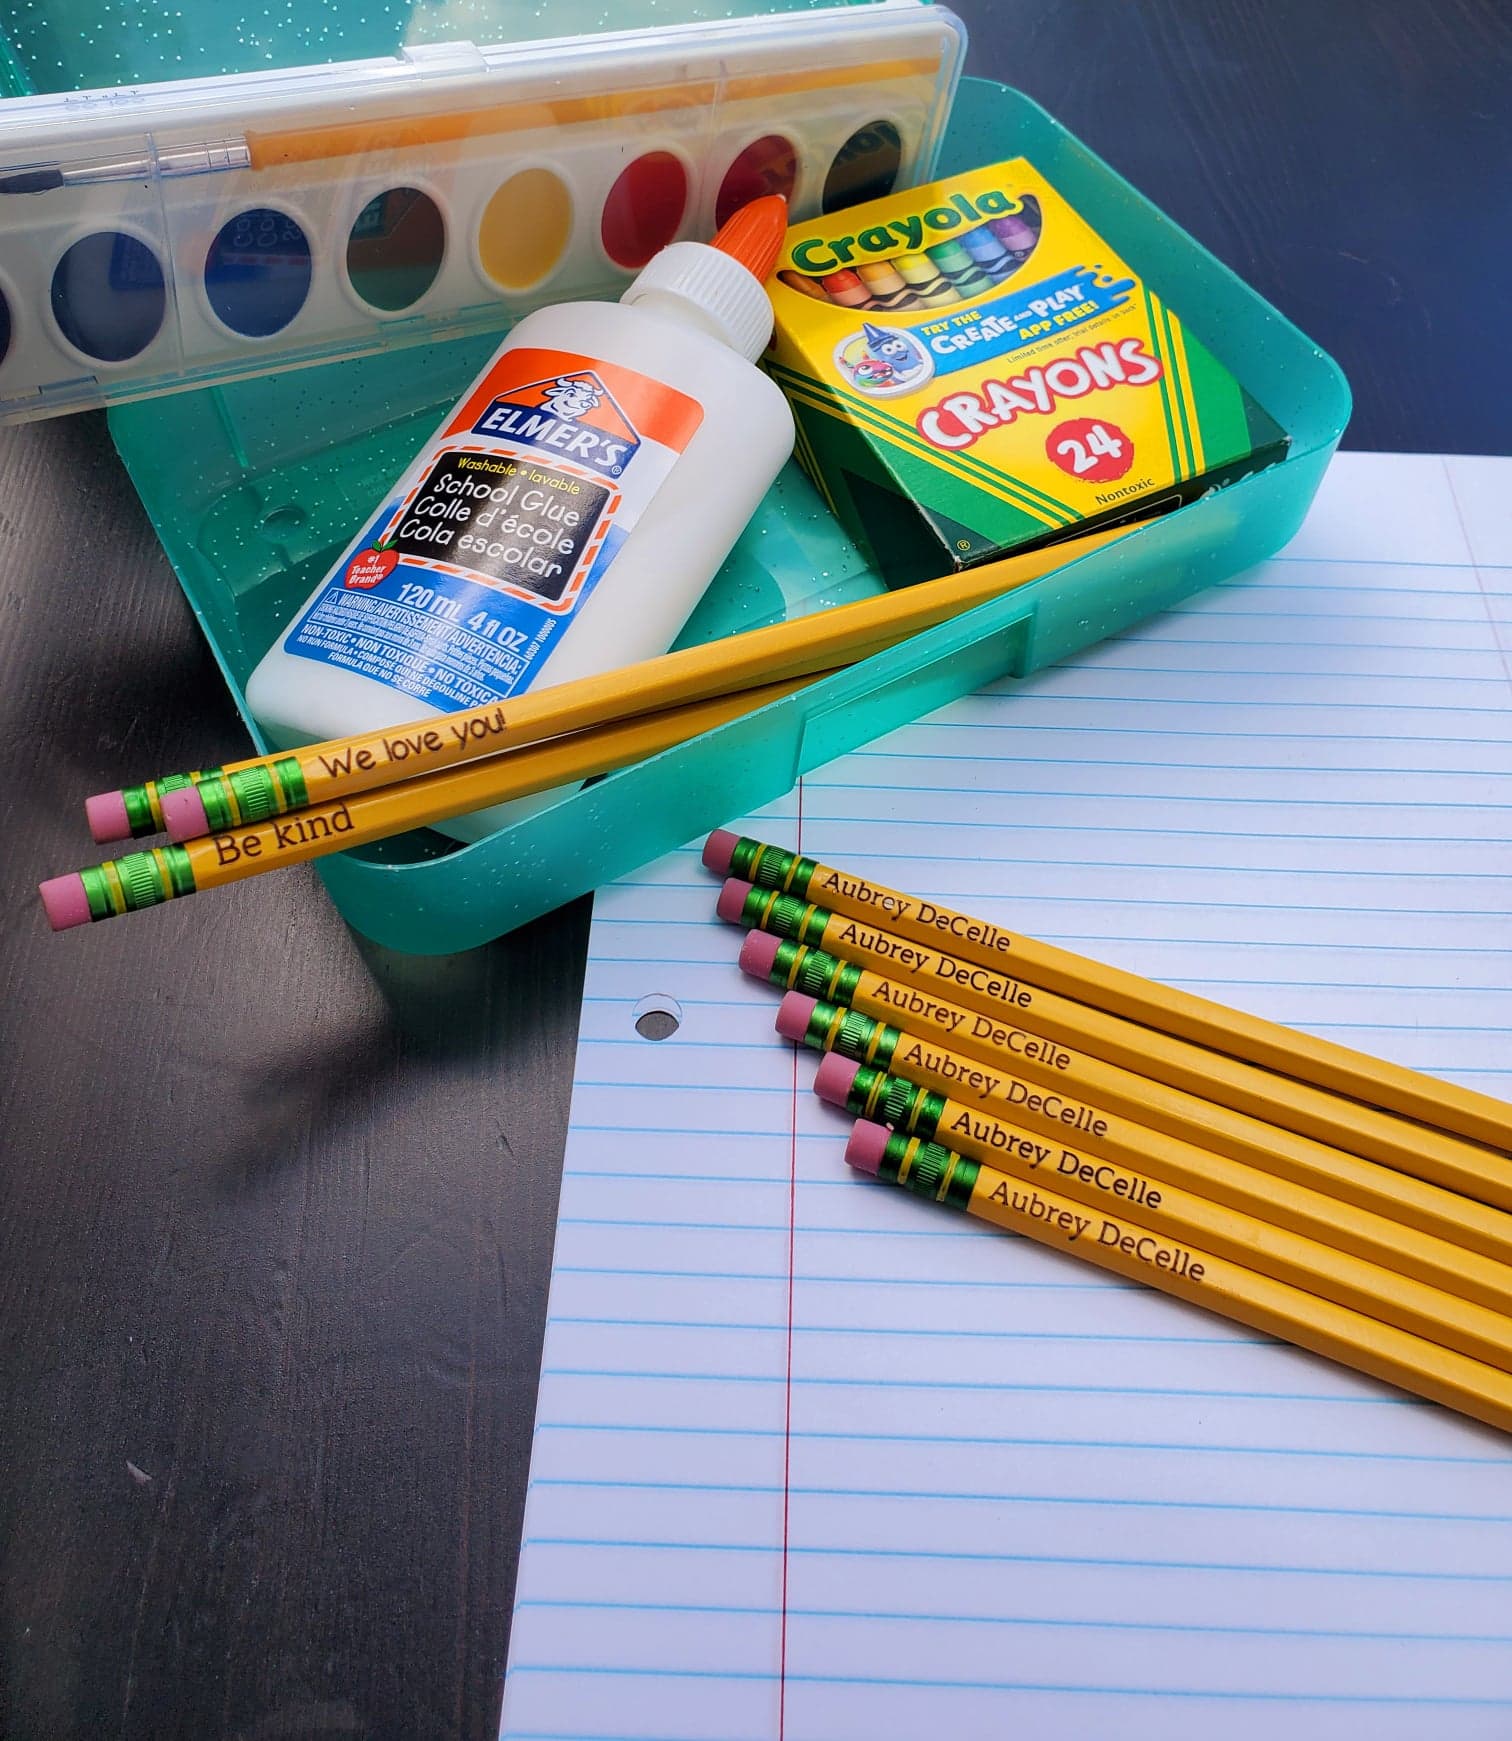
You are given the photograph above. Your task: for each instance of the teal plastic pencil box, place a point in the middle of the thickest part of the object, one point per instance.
(253, 499)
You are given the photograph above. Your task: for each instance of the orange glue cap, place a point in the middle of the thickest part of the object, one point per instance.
(722, 285)
(753, 236)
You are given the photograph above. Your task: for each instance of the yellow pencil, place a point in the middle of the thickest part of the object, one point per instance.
(264, 786)
(1266, 1045)
(146, 879)
(1203, 1200)
(1130, 1248)
(964, 1098)
(1442, 1237)
(1412, 1150)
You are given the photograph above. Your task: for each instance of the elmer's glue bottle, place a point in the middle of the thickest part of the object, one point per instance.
(567, 515)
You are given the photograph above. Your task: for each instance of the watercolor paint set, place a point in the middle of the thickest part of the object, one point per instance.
(186, 234)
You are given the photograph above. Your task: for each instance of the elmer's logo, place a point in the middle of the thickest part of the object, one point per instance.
(903, 235)
(571, 415)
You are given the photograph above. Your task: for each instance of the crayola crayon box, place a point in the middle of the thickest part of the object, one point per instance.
(974, 371)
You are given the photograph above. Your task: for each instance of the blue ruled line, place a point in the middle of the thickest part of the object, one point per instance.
(995, 1386)
(1165, 1447)
(878, 1682)
(947, 1495)
(974, 1556)
(1049, 1622)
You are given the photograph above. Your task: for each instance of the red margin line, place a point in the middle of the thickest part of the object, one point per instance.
(787, 1423)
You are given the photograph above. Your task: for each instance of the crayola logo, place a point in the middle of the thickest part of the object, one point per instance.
(905, 235)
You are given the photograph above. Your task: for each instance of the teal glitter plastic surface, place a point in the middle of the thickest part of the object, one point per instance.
(69, 46)
(255, 488)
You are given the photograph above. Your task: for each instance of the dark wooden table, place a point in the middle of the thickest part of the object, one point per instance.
(278, 1206)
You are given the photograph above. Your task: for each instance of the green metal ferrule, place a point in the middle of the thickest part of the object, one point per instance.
(856, 1036)
(926, 1109)
(141, 813)
(928, 1170)
(97, 891)
(796, 967)
(834, 1028)
(180, 868)
(784, 916)
(236, 799)
(142, 882)
(255, 792)
(219, 803)
(893, 1100)
(291, 781)
(144, 803)
(769, 867)
(251, 794)
(140, 879)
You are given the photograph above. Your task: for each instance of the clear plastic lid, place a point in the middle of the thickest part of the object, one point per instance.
(156, 237)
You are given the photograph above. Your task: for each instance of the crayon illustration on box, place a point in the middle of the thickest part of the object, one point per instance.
(975, 371)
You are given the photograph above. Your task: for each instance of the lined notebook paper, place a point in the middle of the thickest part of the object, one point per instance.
(816, 1460)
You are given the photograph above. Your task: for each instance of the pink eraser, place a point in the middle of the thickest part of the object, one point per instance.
(793, 1015)
(866, 1145)
(106, 815)
(64, 901)
(732, 900)
(184, 813)
(833, 1078)
(757, 954)
(718, 850)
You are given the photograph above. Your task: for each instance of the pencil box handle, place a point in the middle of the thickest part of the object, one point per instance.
(833, 726)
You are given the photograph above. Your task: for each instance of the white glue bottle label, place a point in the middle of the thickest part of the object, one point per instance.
(567, 515)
